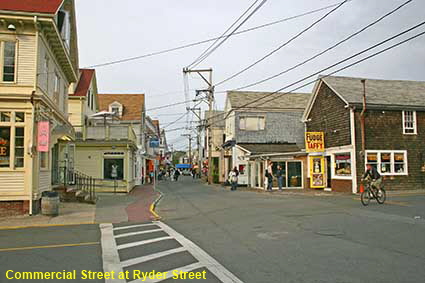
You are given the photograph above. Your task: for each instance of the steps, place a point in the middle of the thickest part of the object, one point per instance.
(72, 194)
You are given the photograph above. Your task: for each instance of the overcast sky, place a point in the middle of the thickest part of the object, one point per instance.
(110, 30)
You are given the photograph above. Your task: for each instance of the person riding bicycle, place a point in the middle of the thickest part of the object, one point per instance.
(373, 174)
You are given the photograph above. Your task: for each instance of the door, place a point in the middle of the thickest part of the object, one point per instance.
(328, 172)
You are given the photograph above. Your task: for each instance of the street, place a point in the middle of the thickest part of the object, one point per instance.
(237, 236)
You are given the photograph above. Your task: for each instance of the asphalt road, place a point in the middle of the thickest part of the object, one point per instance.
(238, 236)
(273, 237)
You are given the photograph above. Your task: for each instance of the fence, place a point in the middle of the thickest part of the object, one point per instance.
(79, 180)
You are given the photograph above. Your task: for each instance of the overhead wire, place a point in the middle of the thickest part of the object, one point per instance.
(151, 54)
(212, 48)
(331, 66)
(281, 46)
(327, 49)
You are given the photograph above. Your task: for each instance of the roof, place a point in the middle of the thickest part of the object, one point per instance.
(133, 104)
(217, 120)
(273, 101)
(32, 6)
(378, 92)
(86, 76)
(259, 148)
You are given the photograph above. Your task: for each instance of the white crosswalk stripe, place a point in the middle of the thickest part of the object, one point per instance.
(113, 245)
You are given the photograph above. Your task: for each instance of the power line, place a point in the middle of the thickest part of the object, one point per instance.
(281, 46)
(333, 65)
(207, 53)
(224, 33)
(209, 40)
(178, 119)
(327, 49)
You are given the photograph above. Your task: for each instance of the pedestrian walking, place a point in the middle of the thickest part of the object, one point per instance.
(233, 178)
(176, 175)
(269, 178)
(279, 175)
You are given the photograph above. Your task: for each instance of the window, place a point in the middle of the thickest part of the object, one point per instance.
(44, 160)
(113, 168)
(46, 71)
(89, 99)
(19, 147)
(5, 135)
(12, 139)
(116, 109)
(56, 89)
(252, 123)
(9, 54)
(343, 164)
(388, 162)
(409, 122)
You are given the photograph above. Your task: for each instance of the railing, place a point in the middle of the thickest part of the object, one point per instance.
(107, 132)
(81, 181)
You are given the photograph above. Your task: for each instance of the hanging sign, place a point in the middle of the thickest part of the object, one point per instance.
(314, 142)
(317, 172)
(43, 136)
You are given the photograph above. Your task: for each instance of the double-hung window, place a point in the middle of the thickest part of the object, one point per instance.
(56, 89)
(409, 122)
(8, 60)
(388, 162)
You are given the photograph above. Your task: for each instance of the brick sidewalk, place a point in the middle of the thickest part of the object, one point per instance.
(139, 211)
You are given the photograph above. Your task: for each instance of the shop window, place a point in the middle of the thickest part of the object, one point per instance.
(242, 169)
(252, 123)
(19, 117)
(275, 166)
(294, 174)
(409, 122)
(388, 162)
(5, 135)
(9, 54)
(343, 164)
(19, 147)
(5, 116)
(113, 168)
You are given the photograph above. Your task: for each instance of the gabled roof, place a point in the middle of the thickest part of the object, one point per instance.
(378, 92)
(32, 6)
(271, 101)
(133, 104)
(86, 76)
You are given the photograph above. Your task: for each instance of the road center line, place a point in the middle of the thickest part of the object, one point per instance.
(111, 259)
(137, 233)
(186, 268)
(140, 243)
(141, 259)
(204, 259)
(49, 246)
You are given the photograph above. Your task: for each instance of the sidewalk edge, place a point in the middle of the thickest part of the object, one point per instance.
(154, 204)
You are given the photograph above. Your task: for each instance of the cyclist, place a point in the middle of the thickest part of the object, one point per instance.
(373, 174)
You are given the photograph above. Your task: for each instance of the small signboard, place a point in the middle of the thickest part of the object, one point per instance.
(317, 172)
(154, 142)
(43, 136)
(314, 142)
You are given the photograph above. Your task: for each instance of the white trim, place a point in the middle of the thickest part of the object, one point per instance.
(392, 152)
(353, 152)
(415, 124)
(337, 177)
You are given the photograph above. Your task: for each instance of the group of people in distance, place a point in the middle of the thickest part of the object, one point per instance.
(234, 176)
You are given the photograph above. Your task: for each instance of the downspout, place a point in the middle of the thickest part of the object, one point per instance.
(362, 118)
(31, 147)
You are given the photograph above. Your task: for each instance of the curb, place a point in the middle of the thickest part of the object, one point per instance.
(43, 226)
(154, 204)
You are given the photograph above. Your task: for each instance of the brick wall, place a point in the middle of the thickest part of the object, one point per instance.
(9, 208)
(330, 116)
(384, 131)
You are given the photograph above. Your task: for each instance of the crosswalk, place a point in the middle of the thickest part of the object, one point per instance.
(154, 252)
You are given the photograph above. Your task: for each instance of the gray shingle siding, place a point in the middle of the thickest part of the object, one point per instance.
(280, 127)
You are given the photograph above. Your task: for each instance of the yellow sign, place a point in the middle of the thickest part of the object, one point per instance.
(314, 141)
(317, 172)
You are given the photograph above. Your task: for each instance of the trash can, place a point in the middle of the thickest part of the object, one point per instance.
(50, 203)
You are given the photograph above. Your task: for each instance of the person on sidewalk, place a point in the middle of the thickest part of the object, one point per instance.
(279, 175)
(269, 178)
(233, 178)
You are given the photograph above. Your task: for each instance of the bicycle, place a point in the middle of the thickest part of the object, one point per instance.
(372, 193)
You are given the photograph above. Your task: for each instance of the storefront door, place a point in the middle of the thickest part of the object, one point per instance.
(328, 172)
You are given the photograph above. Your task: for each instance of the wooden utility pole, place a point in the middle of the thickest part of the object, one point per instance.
(189, 136)
(210, 101)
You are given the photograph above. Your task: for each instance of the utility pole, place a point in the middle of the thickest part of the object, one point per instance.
(198, 136)
(209, 99)
(190, 146)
